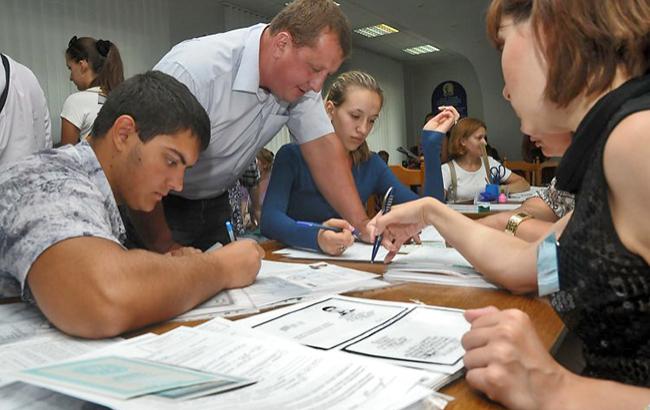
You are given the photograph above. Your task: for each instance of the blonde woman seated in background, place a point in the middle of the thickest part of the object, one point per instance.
(353, 104)
(465, 153)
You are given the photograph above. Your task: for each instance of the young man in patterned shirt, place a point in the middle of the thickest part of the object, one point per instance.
(61, 235)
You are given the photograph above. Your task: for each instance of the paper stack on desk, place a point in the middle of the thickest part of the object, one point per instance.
(361, 252)
(280, 283)
(406, 334)
(287, 374)
(444, 266)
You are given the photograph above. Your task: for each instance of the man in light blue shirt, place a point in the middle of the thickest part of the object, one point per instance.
(252, 82)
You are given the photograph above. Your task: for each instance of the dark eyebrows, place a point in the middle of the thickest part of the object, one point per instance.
(178, 153)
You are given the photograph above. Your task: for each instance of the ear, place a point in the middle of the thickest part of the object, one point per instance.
(123, 132)
(83, 66)
(329, 109)
(282, 42)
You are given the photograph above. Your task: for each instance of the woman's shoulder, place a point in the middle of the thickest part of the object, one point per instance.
(289, 153)
(83, 96)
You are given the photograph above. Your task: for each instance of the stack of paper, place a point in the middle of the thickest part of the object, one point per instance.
(286, 374)
(445, 266)
(473, 208)
(419, 336)
(358, 252)
(522, 196)
(280, 283)
(362, 252)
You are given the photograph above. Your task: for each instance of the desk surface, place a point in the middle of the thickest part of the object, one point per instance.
(546, 322)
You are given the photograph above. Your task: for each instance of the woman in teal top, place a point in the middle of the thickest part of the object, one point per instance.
(353, 104)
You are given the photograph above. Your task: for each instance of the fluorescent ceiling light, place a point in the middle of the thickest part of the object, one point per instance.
(376, 31)
(427, 48)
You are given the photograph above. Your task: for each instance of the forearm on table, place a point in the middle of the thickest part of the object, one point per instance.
(538, 209)
(109, 290)
(501, 258)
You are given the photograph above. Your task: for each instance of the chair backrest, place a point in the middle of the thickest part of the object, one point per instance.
(549, 163)
(529, 170)
(407, 176)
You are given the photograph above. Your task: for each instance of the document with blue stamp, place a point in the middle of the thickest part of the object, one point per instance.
(126, 378)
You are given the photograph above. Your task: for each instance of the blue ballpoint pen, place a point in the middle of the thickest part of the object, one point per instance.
(231, 232)
(385, 208)
(355, 232)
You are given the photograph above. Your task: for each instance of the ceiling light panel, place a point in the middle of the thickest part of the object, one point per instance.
(427, 48)
(376, 31)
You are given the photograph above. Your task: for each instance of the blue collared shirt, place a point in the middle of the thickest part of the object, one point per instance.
(222, 71)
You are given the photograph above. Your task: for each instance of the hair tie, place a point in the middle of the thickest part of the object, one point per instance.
(103, 47)
(72, 41)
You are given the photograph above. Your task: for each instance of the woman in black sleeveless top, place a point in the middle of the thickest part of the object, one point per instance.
(569, 66)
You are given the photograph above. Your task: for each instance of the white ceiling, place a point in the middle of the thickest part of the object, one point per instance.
(454, 26)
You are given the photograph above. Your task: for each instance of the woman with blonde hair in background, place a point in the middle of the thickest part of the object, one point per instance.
(353, 104)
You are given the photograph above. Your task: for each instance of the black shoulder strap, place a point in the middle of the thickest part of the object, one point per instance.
(3, 97)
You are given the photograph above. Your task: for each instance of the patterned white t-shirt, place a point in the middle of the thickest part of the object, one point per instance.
(51, 196)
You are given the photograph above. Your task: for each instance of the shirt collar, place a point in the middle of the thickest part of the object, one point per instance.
(248, 71)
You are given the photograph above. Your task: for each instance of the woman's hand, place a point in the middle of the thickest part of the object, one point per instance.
(403, 222)
(506, 360)
(335, 243)
(444, 120)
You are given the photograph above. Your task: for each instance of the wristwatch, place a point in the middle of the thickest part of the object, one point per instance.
(515, 220)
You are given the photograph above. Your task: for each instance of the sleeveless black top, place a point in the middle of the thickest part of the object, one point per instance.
(604, 295)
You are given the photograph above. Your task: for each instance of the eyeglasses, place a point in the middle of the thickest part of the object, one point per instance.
(72, 41)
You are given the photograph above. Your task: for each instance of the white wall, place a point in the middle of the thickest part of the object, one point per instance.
(485, 103)
(36, 34)
(420, 81)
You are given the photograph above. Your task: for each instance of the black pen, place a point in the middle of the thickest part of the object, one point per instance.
(385, 208)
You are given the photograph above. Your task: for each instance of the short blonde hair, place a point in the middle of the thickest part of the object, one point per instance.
(337, 93)
(460, 132)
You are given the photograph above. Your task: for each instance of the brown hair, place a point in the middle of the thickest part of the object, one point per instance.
(306, 19)
(265, 159)
(460, 132)
(584, 43)
(337, 93)
(102, 56)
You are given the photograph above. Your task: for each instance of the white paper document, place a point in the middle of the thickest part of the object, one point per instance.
(445, 266)
(473, 209)
(281, 282)
(413, 335)
(19, 321)
(359, 252)
(331, 322)
(411, 338)
(289, 376)
(522, 196)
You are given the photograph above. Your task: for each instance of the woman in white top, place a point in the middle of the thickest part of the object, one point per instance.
(95, 68)
(465, 153)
